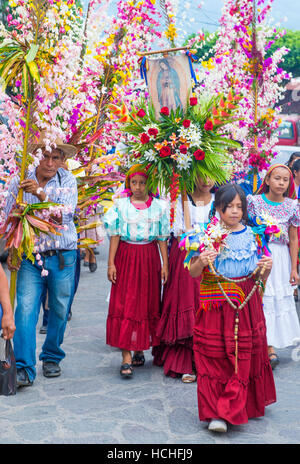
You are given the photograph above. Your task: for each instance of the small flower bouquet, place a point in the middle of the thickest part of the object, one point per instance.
(264, 227)
(212, 237)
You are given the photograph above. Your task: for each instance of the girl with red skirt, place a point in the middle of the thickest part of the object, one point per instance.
(181, 293)
(234, 377)
(138, 225)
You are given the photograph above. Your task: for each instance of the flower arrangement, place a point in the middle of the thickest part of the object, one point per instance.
(264, 227)
(260, 160)
(188, 143)
(242, 62)
(212, 237)
(169, 9)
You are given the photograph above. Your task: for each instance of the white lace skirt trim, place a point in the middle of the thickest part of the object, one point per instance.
(279, 305)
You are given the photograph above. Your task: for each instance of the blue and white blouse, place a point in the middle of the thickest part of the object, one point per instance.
(240, 257)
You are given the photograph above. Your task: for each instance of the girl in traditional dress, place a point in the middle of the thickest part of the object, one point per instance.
(181, 293)
(138, 225)
(276, 196)
(234, 377)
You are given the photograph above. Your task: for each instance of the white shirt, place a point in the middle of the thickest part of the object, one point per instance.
(198, 215)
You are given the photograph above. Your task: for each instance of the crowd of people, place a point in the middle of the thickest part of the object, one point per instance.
(193, 330)
(221, 333)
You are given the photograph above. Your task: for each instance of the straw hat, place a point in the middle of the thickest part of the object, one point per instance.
(69, 150)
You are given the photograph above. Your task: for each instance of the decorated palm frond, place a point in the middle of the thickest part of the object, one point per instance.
(97, 189)
(21, 60)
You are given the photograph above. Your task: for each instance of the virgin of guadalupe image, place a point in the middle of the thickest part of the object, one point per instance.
(168, 86)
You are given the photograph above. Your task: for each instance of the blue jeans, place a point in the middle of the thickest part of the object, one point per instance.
(77, 277)
(30, 289)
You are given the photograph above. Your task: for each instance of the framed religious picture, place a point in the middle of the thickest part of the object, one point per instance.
(169, 82)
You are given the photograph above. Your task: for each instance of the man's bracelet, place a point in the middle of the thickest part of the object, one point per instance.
(39, 190)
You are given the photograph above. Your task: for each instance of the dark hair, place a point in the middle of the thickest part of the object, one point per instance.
(294, 155)
(296, 166)
(226, 194)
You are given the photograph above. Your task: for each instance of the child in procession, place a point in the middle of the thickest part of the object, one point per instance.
(277, 197)
(181, 293)
(138, 226)
(234, 377)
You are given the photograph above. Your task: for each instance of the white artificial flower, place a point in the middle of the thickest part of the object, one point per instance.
(183, 161)
(191, 134)
(150, 155)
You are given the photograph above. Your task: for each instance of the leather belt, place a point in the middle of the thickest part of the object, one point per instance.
(61, 260)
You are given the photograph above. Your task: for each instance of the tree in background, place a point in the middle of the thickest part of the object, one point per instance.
(290, 40)
(204, 43)
(3, 11)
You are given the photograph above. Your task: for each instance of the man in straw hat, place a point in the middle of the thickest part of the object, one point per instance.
(54, 268)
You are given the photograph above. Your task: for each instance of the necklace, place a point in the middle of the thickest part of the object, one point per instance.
(258, 281)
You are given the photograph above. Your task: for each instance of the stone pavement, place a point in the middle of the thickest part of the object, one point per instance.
(91, 404)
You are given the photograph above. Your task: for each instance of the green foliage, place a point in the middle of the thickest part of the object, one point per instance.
(205, 46)
(291, 61)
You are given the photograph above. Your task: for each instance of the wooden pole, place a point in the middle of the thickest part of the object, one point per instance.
(255, 91)
(13, 277)
(167, 50)
(186, 211)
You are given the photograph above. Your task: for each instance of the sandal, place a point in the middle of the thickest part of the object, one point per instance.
(126, 367)
(188, 378)
(138, 360)
(274, 360)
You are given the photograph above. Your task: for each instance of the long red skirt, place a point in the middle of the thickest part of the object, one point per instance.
(175, 328)
(222, 393)
(134, 305)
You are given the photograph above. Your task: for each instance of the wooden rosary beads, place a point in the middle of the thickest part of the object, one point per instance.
(258, 282)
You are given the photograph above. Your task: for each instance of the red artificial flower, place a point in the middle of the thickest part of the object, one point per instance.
(208, 125)
(186, 123)
(165, 110)
(145, 138)
(164, 151)
(199, 155)
(183, 149)
(141, 113)
(153, 131)
(193, 101)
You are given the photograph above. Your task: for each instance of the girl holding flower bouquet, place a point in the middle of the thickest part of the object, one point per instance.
(276, 197)
(234, 376)
(138, 226)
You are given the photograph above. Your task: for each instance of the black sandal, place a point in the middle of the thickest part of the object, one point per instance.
(138, 360)
(126, 367)
(274, 360)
